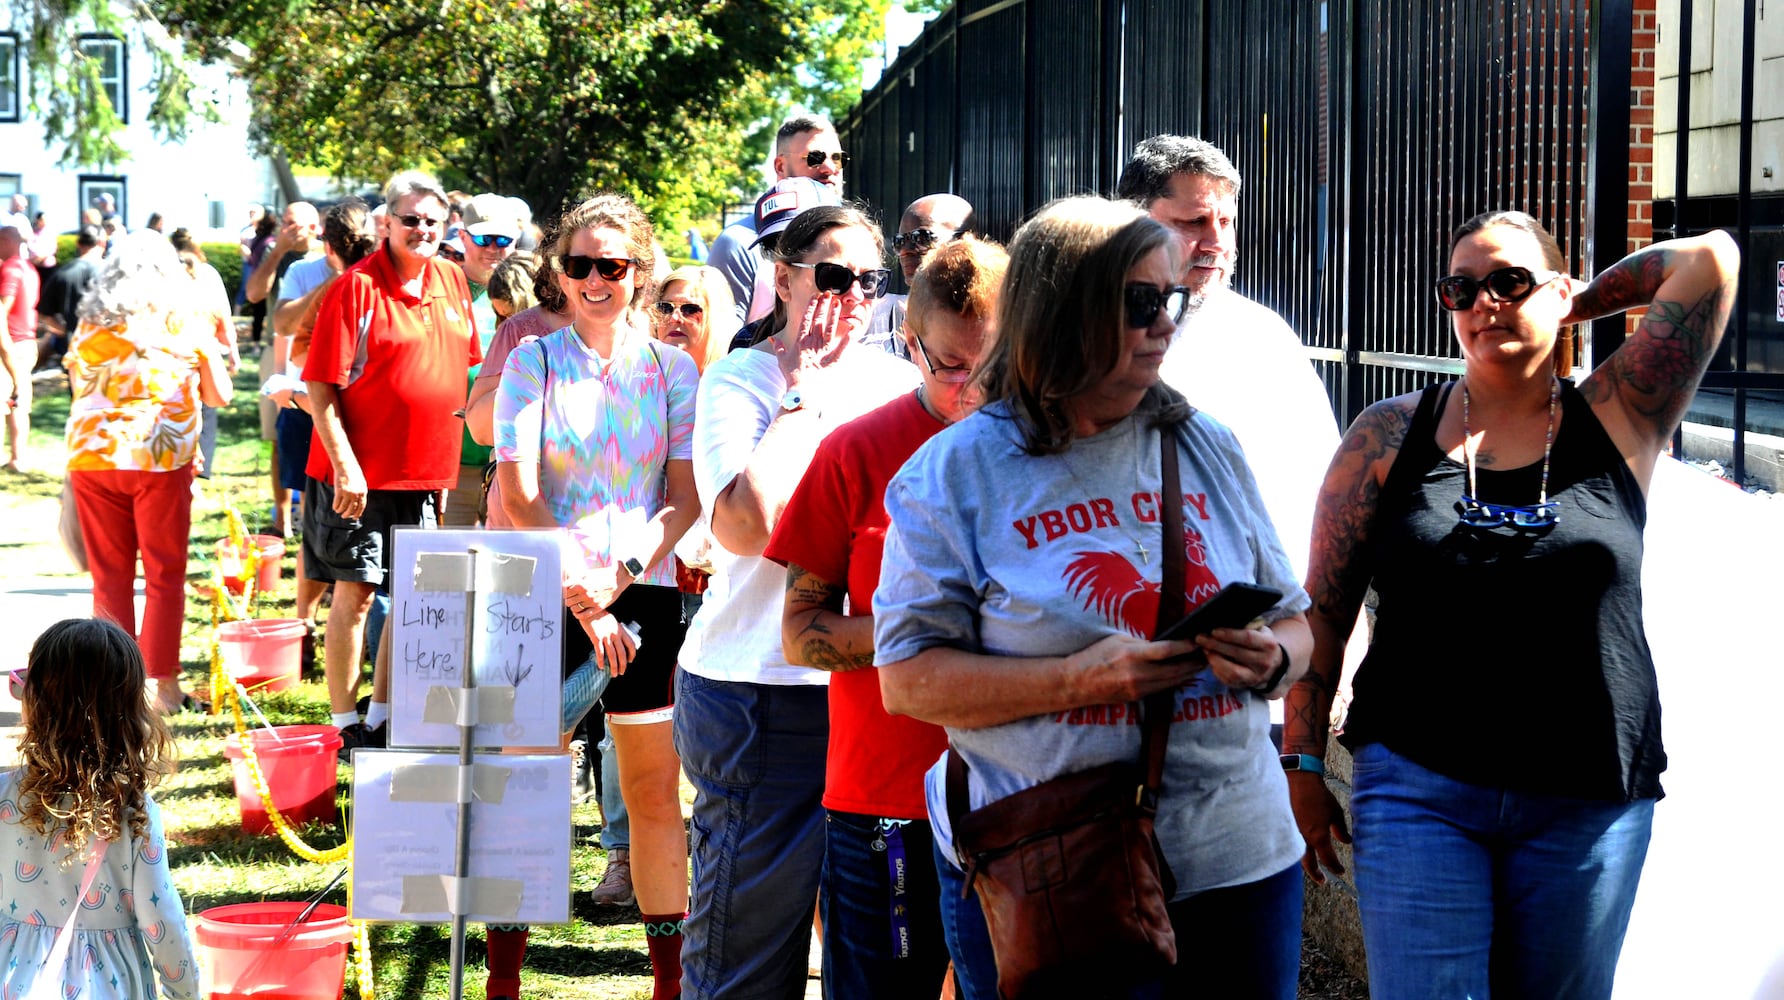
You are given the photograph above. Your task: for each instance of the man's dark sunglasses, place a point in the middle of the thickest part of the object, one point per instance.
(920, 240)
(491, 240)
(1456, 292)
(688, 310)
(836, 279)
(1144, 301)
(816, 158)
(417, 221)
(611, 268)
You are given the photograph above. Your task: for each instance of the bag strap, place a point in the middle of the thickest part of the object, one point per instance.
(1156, 718)
(47, 986)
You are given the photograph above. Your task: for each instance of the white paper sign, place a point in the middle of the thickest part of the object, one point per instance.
(403, 850)
(519, 638)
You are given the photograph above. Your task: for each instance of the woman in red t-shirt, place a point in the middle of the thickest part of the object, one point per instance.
(882, 922)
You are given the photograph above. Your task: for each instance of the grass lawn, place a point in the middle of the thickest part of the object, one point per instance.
(601, 955)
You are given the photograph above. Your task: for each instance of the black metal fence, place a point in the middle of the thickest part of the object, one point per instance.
(1365, 131)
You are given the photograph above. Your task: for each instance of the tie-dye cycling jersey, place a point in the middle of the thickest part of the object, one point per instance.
(609, 428)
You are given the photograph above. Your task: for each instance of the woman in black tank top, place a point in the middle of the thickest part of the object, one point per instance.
(1499, 519)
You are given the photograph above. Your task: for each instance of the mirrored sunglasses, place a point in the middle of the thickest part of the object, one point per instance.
(611, 268)
(816, 158)
(953, 374)
(491, 240)
(1456, 292)
(688, 310)
(1479, 514)
(1143, 303)
(919, 240)
(836, 279)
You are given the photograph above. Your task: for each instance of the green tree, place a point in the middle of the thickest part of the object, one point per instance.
(666, 100)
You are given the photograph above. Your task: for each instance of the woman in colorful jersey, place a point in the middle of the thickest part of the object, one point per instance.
(1019, 589)
(1506, 865)
(594, 434)
(143, 360)
(882, 921)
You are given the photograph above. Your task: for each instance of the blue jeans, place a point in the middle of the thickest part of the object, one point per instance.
(616, 833)
(1467, 891)
(1242, 942)
(755, 756)
(861, 959)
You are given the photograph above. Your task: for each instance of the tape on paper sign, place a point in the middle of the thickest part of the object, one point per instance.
(447, 706)
(450, 573)
(483, 897)
(443, 783)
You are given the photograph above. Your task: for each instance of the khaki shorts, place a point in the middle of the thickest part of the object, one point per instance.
(24, 355)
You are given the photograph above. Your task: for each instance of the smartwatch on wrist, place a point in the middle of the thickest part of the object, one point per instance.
(1303, 762)
(792, 400)
(633, 566)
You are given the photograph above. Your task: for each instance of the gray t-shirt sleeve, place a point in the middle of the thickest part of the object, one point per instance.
(927, 594)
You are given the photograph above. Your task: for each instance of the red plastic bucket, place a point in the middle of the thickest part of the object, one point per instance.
(233, 559)
(265, 654)
(245, 952)
(300, 773)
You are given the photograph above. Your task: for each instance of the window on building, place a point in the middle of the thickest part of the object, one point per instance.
(108, 51)
(105, 192)
(9, 76)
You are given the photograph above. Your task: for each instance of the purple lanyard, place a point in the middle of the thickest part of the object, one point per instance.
(890, 839)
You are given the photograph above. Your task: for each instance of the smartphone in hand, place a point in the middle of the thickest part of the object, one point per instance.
(1236, 606)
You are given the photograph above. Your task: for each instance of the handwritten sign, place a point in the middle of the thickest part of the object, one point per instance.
(518, 642)
(403, 840)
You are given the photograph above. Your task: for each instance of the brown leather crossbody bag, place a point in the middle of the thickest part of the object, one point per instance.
(1069, 873)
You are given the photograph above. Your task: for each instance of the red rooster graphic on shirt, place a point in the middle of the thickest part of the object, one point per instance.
(1109, 584)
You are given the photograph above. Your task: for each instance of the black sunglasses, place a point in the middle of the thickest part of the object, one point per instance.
(1456, 292)
(611, 268)
(491, 240)
(417, 221)
(920, 240)
(836, 279)
(1144, 301)
(816, 158)
(688, 310)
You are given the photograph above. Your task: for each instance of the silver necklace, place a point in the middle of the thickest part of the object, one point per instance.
(1548, 444)
(1134, 434)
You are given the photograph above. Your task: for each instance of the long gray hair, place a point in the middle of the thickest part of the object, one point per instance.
(142, 274)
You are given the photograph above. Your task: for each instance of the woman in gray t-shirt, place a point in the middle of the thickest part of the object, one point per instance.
(1020, 588)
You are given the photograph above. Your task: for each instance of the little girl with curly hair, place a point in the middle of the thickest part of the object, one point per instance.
(92, 746)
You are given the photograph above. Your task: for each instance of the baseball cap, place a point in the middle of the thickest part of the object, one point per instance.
(490, 215)
(777, 207)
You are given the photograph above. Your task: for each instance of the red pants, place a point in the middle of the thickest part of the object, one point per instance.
(126, 513)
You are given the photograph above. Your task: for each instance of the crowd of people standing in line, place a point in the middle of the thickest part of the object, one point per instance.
(874, 563)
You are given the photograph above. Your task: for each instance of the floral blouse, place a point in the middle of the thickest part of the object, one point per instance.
(136, 405)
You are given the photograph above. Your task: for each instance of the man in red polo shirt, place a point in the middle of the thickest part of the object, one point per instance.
(386, 375)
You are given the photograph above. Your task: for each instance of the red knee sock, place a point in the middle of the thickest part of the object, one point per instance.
(507, 948)
(662, 932)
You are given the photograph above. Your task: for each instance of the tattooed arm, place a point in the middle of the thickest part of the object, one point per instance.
(815, 632)
(1338, 576)
(1641, 391)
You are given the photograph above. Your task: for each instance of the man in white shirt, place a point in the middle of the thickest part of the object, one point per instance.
(1232, 357)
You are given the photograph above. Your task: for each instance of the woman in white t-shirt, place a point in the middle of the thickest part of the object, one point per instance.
(752, 731)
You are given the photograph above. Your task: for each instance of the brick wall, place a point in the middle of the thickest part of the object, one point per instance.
(1641, 124)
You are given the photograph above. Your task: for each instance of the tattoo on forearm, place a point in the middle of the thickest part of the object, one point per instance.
(1347, 505)
(1627, 284)
(817, 646)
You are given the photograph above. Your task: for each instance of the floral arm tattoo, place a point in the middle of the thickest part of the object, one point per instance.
(1657, 369)
(809, 602)
(1339, 574)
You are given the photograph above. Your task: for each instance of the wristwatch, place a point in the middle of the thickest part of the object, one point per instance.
(1303, 762)
(633, 566)
(792, 400)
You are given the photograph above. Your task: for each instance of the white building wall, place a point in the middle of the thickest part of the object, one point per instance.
(179, 179)
(1716, 99)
